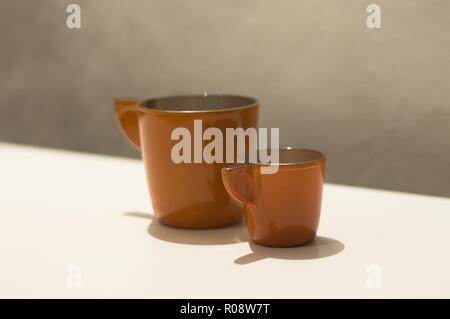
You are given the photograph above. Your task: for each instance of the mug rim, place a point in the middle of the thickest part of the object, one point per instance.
(309, 164)
(253, 102)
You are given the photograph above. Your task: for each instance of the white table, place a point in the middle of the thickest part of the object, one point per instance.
(71, 220)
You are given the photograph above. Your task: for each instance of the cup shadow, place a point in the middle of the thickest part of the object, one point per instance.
(321, 247)
(218, 236)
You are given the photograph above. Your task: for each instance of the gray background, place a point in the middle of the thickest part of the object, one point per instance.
(376, 101)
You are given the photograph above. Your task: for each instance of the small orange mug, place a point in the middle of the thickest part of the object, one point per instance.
(186, 195)
(280, 209)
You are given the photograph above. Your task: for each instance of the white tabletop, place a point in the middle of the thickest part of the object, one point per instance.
(76, 225)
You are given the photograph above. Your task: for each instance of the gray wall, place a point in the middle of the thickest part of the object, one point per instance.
(376, 101)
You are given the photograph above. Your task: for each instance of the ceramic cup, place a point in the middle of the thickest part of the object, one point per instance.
(281, 209)
(186, 195)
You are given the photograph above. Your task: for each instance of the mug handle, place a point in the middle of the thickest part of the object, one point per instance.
(238, 182)
(127, 116)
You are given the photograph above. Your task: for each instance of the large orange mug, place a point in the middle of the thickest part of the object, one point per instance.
(186, 195)
(281, 209)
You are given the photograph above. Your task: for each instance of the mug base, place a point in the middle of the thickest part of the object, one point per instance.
(198, 226)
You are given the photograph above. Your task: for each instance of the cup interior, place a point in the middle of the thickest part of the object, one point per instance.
(288, 156)
(198, 103)
(299, 156)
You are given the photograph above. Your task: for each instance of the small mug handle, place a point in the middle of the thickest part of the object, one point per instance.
(238, 182)
(127, 116)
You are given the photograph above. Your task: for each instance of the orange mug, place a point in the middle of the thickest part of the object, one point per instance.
(280, 209)
(186, 194)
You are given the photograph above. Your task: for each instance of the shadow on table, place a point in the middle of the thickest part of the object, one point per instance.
(220, 236)
(321, 247)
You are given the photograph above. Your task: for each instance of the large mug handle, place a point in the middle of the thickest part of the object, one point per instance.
(127, 116)
(238, 182)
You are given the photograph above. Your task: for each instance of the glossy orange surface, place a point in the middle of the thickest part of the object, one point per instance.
(281, 209)
(187, 195)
